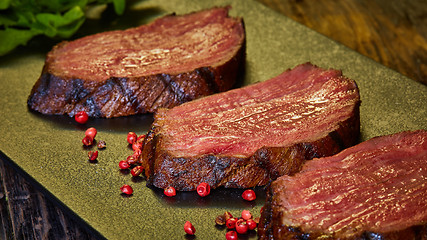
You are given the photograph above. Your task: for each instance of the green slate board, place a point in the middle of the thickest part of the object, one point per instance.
(49, 150)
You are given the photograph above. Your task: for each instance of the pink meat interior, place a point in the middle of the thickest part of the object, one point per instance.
(299, 105)
(173, 44)
(378, 186)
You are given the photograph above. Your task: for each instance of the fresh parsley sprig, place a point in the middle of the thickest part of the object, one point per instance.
(21, 20)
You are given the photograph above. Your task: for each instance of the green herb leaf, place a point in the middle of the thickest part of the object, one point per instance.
(10, 38)
(119, 6)
(60, 6)
(7, 20)
(59, 25)
(4, 4)
(20, 20)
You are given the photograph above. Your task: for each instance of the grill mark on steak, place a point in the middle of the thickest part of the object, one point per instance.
(374, 190)
(210, 79)
(230, 172)
(165, 91)
(170, 61)
(177, 90)
(110, 96)
(78, 92)
(200, 131)
(90, 107)
(130, 93)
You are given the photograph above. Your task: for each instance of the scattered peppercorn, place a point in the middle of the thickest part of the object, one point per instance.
(131, 159)
(92, 155)
(170, 191)
(136, 146)
(126, 189)
(87, 141)
(231, 235)
(227, 215)
(246, 214)
(124, 164)
(91, 132)
(251, 224)
(231, 223)
(136, 171)
(241, 226)
(141, 138)
(137, 152)
(189, 228)
(101, 144)
(222, 219)
(131, 137)
(203, 189)
(249, 195)
(81, 117)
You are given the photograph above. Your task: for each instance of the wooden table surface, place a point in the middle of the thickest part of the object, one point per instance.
(392, 32)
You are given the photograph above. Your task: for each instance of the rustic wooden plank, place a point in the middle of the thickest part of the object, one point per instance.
(33, 215)
(392, 32)
(6, 231)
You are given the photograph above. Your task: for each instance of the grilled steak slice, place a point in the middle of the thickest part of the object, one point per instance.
(374, 190)
(243, 137)
(118, 73)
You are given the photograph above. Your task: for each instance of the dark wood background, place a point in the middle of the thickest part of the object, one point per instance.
(392, 32)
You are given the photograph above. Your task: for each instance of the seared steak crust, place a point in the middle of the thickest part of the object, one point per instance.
(185, 173)
(156, 73)
(374, 190)
(270, 228)
(128, 96)
(169, 161)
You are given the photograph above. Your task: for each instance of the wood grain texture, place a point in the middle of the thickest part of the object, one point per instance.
(6, 230)
(26, 213)
(392, 32)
